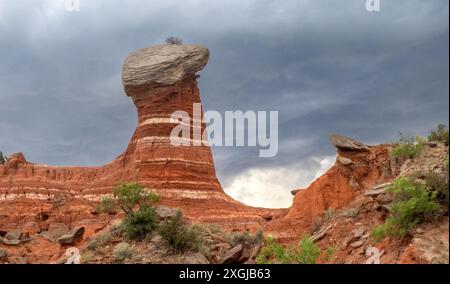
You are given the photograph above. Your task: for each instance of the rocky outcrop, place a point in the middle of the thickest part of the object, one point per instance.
(339, 186)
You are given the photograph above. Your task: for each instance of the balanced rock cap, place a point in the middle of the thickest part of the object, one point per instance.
(163, 64)
(346, 143)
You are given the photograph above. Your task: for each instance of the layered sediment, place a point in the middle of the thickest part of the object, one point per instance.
(160, 81)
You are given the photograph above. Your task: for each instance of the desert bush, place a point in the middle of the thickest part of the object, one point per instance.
(174, 40)
(329, 214)
(246, 238)
(106, 206)
(180, 236)
(140, 222)
(317, 223)
(439, 135)
(99, 241)
(307, 252)
(350, 213)
(2, 158)
(408, 146)
(123, 251)
(438, 183)
(413, 204)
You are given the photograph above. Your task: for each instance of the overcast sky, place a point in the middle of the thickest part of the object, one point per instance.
(325, 65)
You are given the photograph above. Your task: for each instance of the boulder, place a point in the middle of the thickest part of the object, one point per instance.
(55, 231)
(9, 242)
(358, 232)
(163, 65)
(345, 143)
(295, 191)
(357, 244)
(72, 237)
(345, 161)
(14, 235)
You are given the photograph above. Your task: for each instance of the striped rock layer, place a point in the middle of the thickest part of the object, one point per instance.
(184, 176)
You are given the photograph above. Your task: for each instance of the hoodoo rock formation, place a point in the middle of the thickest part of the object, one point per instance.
(161, 80)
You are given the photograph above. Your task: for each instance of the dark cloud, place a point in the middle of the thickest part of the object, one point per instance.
(327, 66)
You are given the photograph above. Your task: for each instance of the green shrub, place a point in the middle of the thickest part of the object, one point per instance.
(130, 195)
(439, 135)
(307, 252)
(413, 204)
(408, 146)
(140, 222)
(178, 235)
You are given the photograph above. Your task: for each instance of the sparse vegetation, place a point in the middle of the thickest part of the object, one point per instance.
(174, 40)
(123, 251)
(307, 252)
(87, 257)
(438, 184)
(413, 204)
(179, 235)
(407, 146)
(246, 238)
(329, 214)
(439, 135)
(350, 213)
(99, 241)
(317, 223)
(106, 206)
(2, 158)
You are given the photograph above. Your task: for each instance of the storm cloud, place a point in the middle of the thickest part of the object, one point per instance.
(326, 66)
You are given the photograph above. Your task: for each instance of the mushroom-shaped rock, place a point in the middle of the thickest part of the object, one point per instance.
(345, 143)
(163, 65)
